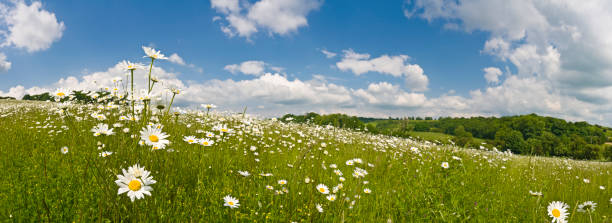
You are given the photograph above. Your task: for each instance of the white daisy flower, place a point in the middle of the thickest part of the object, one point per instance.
(323, 189)
(190, 139)
(231, 202)
(558, 211)
(445, 165)
(136, 186)
(64, 149)
(587, 206)
(153, 136)
(153, 54)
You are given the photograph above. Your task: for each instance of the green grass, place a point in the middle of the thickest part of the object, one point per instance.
(39, 183)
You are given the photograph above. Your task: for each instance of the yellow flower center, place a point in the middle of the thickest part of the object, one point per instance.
(205, 143)
(134, 185)
(556, 213)
(154, 56)
(61, 94)
(322, 189)
(224, 130)
(153, 138)
(129, 66)
(231, 203)
(191, 140)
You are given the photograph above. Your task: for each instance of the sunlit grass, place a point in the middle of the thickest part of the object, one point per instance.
(40, 183)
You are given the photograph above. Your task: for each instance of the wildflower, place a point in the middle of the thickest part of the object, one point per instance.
(586, 180)
(558, 211)
(367, 190)
(231, 202)
(349, 162)
(244, 173)
(307, 180)
(319, 208)
(60, 93)
(602, 187)
(323, 189)
(129, 66)
(535, 193)
(282, 182)
(64, 149)
(190, 139)
(269, 187)
(154, 137)
(105, 154)
(445, 165)
(135, 182)
(153, 54)
(102, 129)
(206, 142)
(587, 206)
(331, 197)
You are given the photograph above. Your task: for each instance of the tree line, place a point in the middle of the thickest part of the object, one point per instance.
(524, 134)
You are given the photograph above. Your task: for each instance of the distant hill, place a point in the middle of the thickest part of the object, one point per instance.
(523, 134)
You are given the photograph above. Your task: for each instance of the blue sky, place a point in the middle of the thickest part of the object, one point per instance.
(532, 61)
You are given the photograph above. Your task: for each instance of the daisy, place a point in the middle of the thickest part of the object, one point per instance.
(331, 197)
(282, 182)
(64, 149)
(367, 190)
(535, 193)
(102, 129)
(135, 181)
(208, 106)
(558, 211)
(231, 202)
(445, 165)
(153, 54)
(338, 172)
(244, 173)
(153, 136)
(319, 208)
(61, 93)
(129, 66)
(206, 142)
(323, 189)
(105, 154)
(587, 206)
(190, 139)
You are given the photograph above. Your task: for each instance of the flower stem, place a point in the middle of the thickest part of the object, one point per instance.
(132, 96)
(171, 101)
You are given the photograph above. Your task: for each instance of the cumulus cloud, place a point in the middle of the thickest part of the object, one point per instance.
(386, 95)
(562, 47)
(251, 67)
(175, 58)
(492, 74)
(29, 26)
(4, 64)
(275, 16)
(396, 66)
(272, 94)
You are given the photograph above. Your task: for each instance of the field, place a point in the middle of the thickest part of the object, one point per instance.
(56, 169)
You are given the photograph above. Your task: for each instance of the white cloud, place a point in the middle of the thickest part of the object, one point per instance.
(4, 64)
(275, 94)
(328, 54)
(175, 58)
(386, 95)
(396, 66)
(251, 67)
(492, 74)
(30, 27)
(276, 16)
(561, 47)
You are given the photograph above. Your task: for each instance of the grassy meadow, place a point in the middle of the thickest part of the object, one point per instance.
(55, 169)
